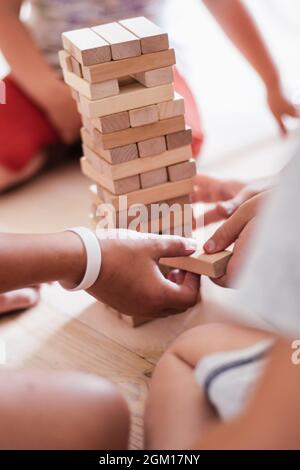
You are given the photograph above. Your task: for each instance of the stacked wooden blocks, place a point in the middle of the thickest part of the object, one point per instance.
(135, 140)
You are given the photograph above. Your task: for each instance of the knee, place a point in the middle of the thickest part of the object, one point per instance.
(106, 416)
(196, 343)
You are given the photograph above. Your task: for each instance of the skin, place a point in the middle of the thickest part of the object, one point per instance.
(82, 411)
(237, 229)
(173, 387)
(142, 290)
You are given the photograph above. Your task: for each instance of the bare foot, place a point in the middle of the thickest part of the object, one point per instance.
(20, 299)
(209, 189)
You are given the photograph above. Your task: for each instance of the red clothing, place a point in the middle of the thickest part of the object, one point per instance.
(24, 128)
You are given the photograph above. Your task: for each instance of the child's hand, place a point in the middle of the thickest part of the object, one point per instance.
(131, 282)
(238, 230)
(280, 106)
(19, 299)
(62, 112)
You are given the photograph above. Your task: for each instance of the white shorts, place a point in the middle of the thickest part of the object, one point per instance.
(229, 378)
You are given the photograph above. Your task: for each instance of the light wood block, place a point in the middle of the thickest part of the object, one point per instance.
(143, 116)
(131, 96)
(178, 139)
(123, 43)
(113, 156)
(118, 187)
(86, 46)
(168, 109)
(76, 67)
(138, 165)
(156, 77)
(120, 68)
(154, 177)
(112, 123)
(181, 171)
(137, 134)
(152, 147)
(90, 91)
(201, 263)
(152, 195)
(65, 61)
(153, 38)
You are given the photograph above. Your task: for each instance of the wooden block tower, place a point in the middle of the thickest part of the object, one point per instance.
(135, 141)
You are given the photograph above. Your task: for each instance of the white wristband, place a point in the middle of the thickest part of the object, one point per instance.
(93, 257)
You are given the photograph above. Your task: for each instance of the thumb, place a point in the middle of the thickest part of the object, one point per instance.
(169, 246)
(230, 230)
(183, 296)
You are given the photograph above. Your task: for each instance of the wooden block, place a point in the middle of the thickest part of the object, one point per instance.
(156, 77)
(131, 96)
(91, 91)
(122, 186)
(201, 263)
(152, 195)
(113, 156)
(181, 171)
(168, 109)
(120, 68)
(154, 177)
(152, 147)
(137, 134)
(178, 139)
(143, 218)
(153, 38)
(139, 165)
(123, 43)
(112, 123)
(86, 46)
(76, 67)
(143, 116)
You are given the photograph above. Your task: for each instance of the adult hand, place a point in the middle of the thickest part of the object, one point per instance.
(280, 106)
(238, 230)
(131, 281)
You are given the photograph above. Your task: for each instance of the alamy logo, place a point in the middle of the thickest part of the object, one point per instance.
(2, 92)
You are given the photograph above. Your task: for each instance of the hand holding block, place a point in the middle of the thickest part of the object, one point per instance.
(153, 39)
(200, 263)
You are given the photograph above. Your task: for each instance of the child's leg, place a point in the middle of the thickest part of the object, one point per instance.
(177, 411)
(55, 410)
(9, 179)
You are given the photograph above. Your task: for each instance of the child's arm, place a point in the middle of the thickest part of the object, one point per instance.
(237, 23)
(33, 74)
(142, 290)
